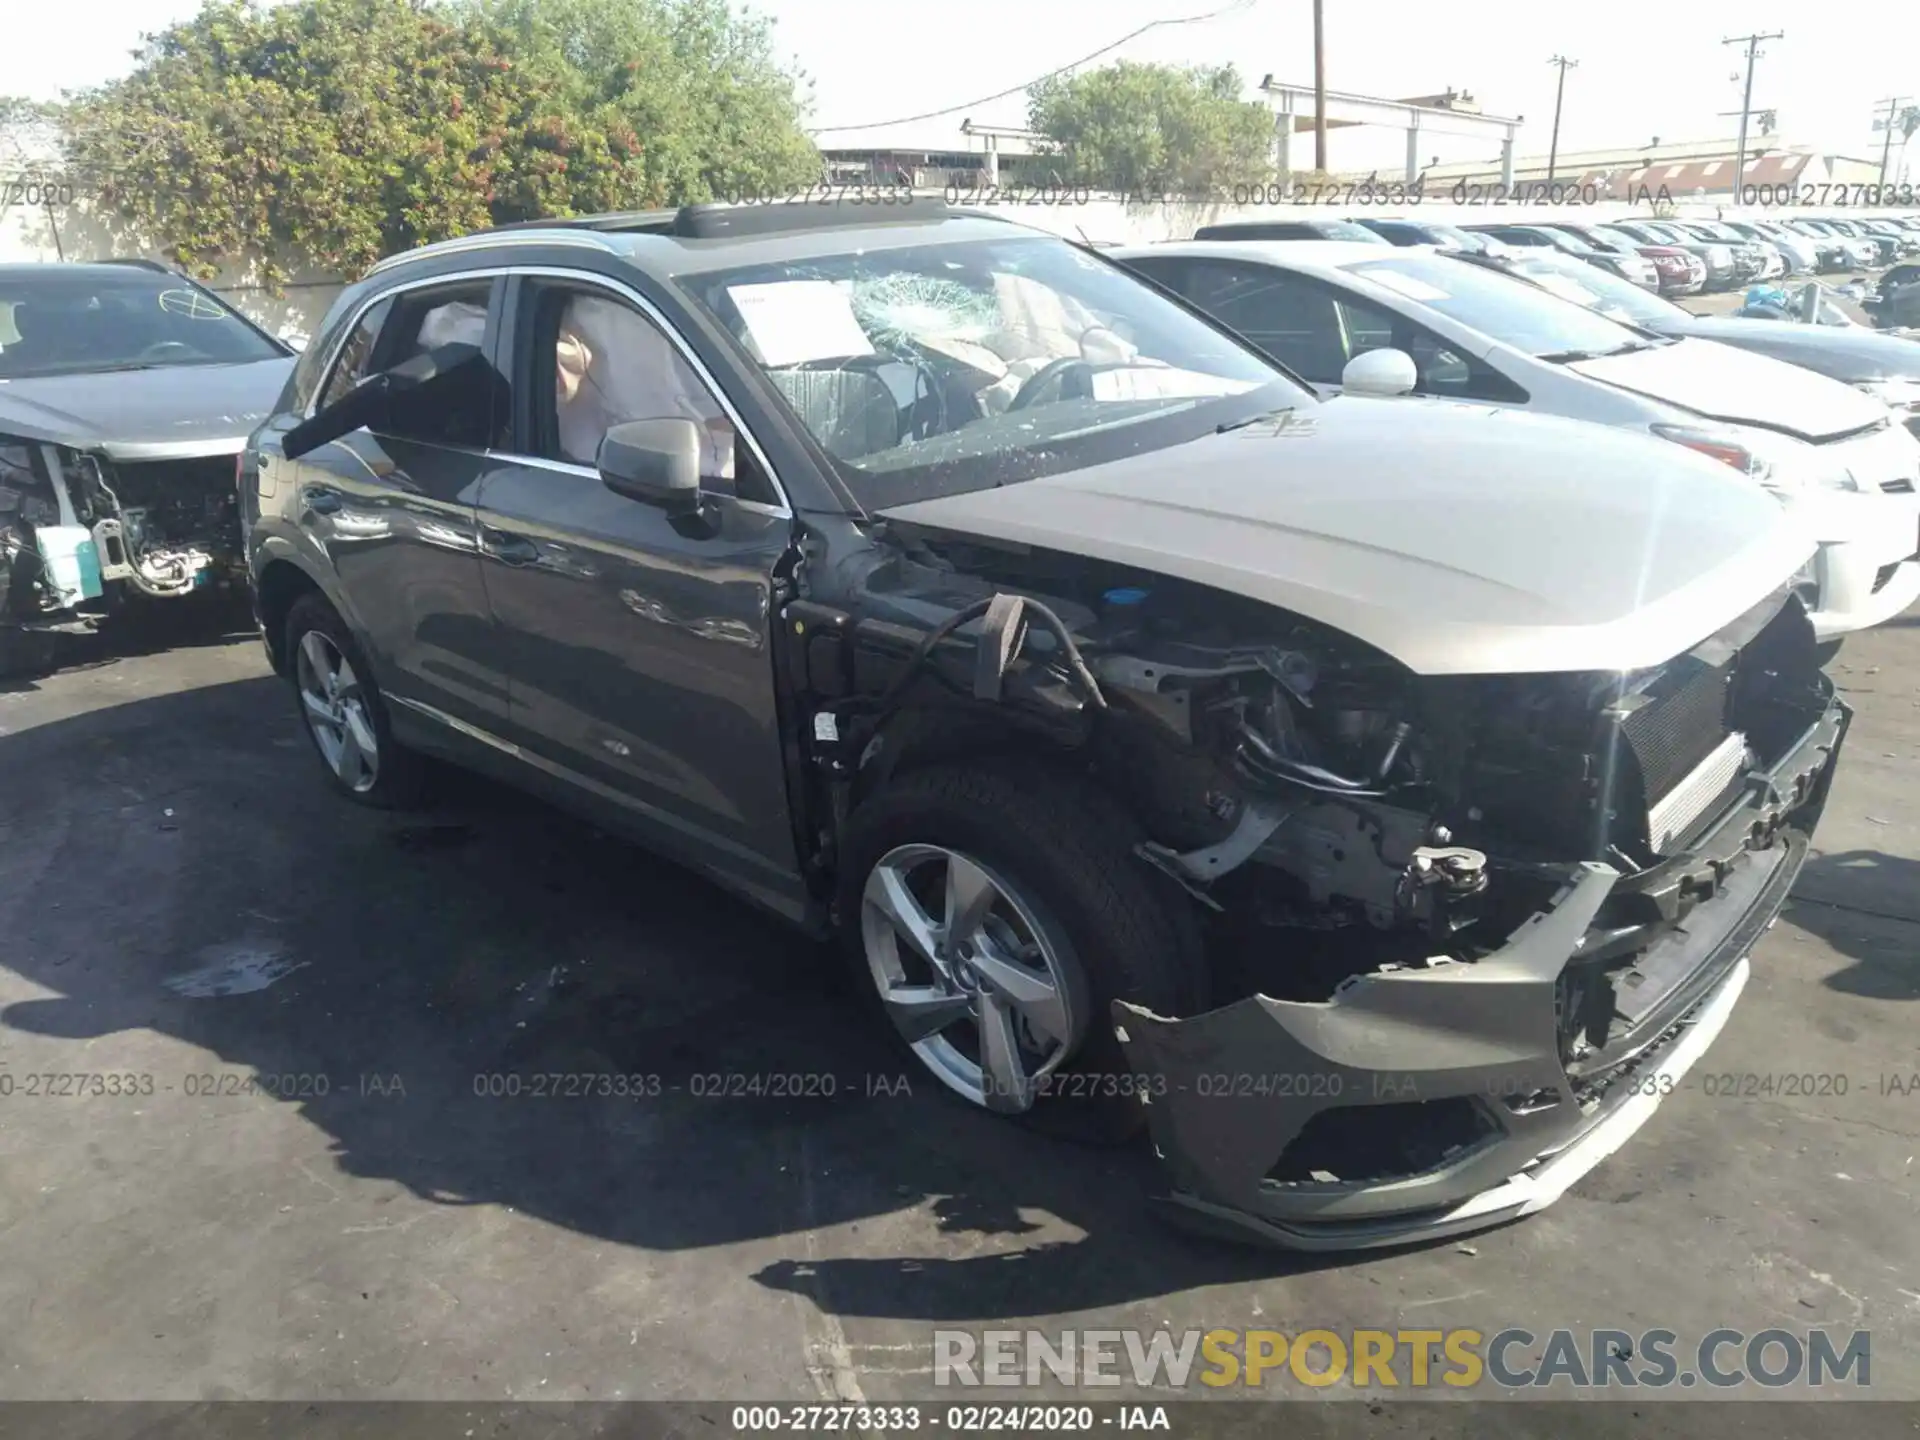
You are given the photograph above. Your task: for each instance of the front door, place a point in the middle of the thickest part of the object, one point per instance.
(638, 644)
(394, 510)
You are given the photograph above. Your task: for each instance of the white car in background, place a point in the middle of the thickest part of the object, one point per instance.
(1414, 321)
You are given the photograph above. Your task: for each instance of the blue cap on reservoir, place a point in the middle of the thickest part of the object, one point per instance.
(1125, 596)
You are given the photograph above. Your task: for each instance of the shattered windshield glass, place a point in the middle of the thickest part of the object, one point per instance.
(936, 369)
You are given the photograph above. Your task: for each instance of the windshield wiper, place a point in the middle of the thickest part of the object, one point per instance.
(1567, 357)
(1227, 425)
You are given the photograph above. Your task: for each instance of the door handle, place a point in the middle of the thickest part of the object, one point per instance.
(321, 500)
(508, 548)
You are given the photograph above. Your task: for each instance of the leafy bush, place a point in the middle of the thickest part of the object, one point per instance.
(328, 133)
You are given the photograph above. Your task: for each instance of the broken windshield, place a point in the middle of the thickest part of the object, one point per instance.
(935, 369)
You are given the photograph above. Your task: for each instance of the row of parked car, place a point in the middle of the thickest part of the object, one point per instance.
(1583, 339)
(1671, 256)
(1347, 708)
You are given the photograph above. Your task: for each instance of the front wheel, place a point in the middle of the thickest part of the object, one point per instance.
(344, 714)
(994, 911)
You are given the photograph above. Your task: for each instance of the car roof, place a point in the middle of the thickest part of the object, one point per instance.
(32, 269)
(1305, 255)
(711, 237)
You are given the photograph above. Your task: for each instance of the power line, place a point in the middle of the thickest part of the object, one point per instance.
(1040, 79)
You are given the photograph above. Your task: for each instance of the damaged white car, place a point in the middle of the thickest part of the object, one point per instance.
(1377, 799)
(125, 393)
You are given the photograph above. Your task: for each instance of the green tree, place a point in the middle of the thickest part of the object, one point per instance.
(688, 91)
(331, 132)
(1155, 129)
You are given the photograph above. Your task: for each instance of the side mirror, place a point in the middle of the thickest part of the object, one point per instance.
(374, 400)
(1380, 372)
(656, 462)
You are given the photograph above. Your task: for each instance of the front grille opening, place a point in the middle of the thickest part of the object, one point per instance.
(1369, 1144)
(1682, 720)
(1778, 688)
(1884, 576)
(1902, 487)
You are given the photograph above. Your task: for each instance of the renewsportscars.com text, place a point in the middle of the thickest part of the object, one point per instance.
(1512, 1358)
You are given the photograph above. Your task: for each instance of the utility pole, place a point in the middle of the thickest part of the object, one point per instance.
(1886, 146)
(1319, 91)
(1752, 42)
(1559, 94)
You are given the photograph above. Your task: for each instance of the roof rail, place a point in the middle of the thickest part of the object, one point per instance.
(712, 220)
(614, 222)
(538, 234)
(720, 219)
(139, 262)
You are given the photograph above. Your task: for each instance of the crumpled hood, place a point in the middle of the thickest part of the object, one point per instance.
(169, 412)
(1723, 383)
(1458, 539)
(1831, 350)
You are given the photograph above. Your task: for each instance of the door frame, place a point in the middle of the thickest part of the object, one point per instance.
(789, 895)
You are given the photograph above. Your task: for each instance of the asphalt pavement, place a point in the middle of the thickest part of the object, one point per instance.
(312, 1183)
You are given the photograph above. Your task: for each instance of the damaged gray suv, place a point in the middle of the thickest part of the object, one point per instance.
(1376, 800)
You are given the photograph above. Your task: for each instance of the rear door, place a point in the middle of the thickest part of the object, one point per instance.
(393, 508)
(638, 643)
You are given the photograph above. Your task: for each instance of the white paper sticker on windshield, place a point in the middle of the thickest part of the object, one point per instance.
(1154, 382)
(793, 321)
(1404, 284)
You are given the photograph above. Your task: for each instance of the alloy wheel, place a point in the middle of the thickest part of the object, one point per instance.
(335, 705)
(971, 977)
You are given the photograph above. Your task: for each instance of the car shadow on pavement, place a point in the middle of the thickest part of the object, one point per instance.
(1865, 904)
(494, 1004)
(197, 620)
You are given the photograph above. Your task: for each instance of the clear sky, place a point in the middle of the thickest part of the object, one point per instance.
(1647, 67)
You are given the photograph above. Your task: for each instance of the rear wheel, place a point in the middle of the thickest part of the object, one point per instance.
(994, 911)
(343, 711)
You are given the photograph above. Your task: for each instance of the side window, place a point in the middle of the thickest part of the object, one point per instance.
(461, 409)
(1291, 319)
(356, 356)
(1367, 327)
(598, 362)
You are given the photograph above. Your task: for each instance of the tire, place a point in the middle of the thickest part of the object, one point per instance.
(396, 777)
(1061, 853)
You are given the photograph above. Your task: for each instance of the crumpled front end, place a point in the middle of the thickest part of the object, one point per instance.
(1427, 1099)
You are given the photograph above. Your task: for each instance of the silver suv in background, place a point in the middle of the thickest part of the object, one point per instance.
(1421, 322)
(126, 393)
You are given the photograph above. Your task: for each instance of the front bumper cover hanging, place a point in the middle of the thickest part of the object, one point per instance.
(1463, 1061)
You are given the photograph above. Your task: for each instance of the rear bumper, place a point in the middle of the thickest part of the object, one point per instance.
(1468, 1055)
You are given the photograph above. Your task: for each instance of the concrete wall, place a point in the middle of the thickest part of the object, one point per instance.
(74, 233)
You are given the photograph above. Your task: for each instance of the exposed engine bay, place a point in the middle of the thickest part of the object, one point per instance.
(1389, 800)
(1347, 827)
(81, 533)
